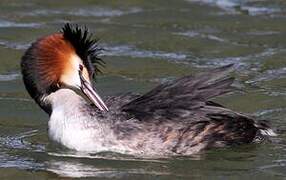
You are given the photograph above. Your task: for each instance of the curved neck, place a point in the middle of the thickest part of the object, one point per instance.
(66, 100)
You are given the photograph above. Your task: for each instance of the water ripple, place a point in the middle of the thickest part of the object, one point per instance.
(15, 45)
(90, 11)
(269, 111)
(242, 62)
(277, 167)
(269, 75)
(253, 11)
(240, 7)
(18, 141)
(6, 24)
(125, 50)
(106, 156)
(9, 77)
(263, 33)
(15, 99)
(205, 36)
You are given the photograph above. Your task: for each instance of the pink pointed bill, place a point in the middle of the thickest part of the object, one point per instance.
(87, 89)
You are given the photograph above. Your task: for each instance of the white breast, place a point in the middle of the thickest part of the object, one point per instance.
(76, 129)
(70, 131)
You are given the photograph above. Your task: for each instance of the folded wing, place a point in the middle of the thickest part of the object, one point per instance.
(182, 96)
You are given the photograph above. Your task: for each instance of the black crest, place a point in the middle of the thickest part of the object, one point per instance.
(86, 47)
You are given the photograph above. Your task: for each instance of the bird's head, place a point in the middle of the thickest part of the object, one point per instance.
(68, 59)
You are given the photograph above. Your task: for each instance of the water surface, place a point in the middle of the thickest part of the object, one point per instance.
(147, 43)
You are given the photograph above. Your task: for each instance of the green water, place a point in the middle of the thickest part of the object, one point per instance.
(148, 42)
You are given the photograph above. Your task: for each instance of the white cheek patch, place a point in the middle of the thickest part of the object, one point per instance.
(70, 76)
(85, 74)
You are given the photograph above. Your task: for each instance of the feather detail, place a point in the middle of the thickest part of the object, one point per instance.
(189, 92)
(86, 47)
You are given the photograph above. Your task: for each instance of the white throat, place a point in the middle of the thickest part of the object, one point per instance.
(70, 123)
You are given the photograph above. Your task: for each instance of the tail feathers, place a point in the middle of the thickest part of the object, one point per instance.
(267, 132)
(265, 129)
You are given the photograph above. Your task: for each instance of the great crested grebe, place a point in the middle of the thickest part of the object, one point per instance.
(175, 118)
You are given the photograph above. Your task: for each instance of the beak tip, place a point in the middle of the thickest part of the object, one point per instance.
(103, 109)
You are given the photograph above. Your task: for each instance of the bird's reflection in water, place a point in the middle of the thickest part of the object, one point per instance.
(77, 170)
(84, 165)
